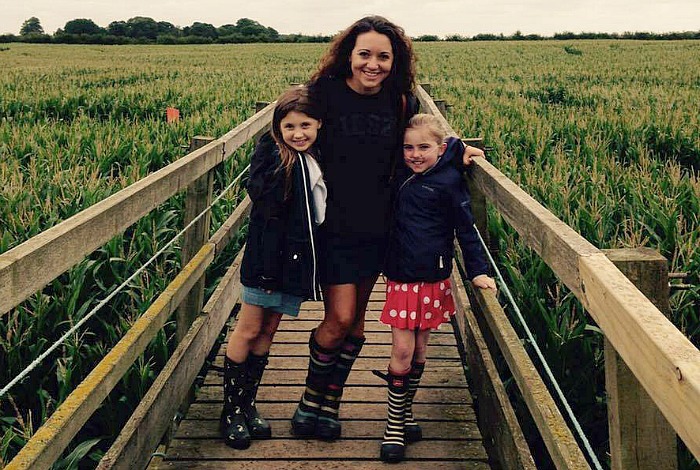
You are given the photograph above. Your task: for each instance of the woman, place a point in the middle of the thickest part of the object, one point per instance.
(364, 88)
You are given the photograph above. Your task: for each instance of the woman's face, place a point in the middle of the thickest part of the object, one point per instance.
(370, 62)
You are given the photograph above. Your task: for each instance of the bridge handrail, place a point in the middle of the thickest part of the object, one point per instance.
(664, 361)
(560, 442)
(34, 263)
(133, 447)
(102, 221)
(495, 414)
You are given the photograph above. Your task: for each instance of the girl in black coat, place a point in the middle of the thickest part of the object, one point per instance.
(279, 267)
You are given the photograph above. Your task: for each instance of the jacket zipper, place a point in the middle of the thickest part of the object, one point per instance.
(441, 262)
(405, 183)
(308, 219)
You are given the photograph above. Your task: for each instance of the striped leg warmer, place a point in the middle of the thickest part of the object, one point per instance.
(393, 445)
(413, 430)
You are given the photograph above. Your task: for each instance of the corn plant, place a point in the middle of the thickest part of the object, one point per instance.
(605, 134)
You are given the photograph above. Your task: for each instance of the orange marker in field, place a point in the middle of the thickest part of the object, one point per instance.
(172, 114)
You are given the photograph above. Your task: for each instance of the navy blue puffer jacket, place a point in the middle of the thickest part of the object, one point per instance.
(430, 208)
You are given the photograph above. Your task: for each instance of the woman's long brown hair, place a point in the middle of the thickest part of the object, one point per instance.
(336, 61)
(294, 99)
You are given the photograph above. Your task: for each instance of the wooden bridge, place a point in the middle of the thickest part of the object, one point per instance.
(652, 370)
(452, 437)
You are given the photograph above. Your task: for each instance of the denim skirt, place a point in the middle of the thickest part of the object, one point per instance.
(276, 301)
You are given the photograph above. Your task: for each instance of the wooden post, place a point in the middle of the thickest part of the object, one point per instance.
(479, 200)
(199, 196)
(427, 87)
(260, 105)
(442, 107)
(640, 436)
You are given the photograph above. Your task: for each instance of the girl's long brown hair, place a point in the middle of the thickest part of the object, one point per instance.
(294, 99)
(336, 61)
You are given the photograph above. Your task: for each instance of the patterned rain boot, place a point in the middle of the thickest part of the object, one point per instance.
(232, 422)
(329, 427)
(412, 430)
(393, 446)
(321, 366)
(258, 426)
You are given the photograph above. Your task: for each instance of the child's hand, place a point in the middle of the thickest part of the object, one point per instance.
(471, 152)
(483, 281)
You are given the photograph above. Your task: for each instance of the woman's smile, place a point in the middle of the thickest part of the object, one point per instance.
(370, 62)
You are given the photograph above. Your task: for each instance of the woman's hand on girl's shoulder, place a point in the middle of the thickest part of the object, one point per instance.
(471, 152)
(483, 281)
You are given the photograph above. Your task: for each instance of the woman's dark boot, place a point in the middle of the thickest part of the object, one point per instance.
(393, 446)
(412, 430)
(321, 366)
(329, 427)
(232, 423)
(258, 426)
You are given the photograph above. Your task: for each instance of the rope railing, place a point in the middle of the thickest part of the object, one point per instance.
(36, 362)
(531, 339)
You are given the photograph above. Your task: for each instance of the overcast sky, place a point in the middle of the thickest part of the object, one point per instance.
(440, 17)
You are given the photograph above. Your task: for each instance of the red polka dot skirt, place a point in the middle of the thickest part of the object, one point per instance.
(418, 305)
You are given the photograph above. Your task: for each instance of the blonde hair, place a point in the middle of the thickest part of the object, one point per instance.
(429, 122)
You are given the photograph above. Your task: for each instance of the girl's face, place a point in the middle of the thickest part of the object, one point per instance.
(370, 62)
(299, 131)
(420, 149)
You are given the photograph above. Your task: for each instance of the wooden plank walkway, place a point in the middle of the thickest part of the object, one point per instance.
(443, 407)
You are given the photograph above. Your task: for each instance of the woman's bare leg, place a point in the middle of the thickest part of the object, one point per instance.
(345, 307)
(340, 305)
(364, 290)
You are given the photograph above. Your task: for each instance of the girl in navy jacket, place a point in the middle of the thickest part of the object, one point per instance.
(432, 205)
(279, 267)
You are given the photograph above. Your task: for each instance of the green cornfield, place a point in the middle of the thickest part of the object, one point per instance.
(605, 134)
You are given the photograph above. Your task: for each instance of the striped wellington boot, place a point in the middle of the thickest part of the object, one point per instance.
(412, 430)
(321, 365)
(393, 446)
(329, 427)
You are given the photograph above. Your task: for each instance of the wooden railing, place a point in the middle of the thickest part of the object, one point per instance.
(36, 262)
(663, 381)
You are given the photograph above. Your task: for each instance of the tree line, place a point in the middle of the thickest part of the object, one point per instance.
(144, 30)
